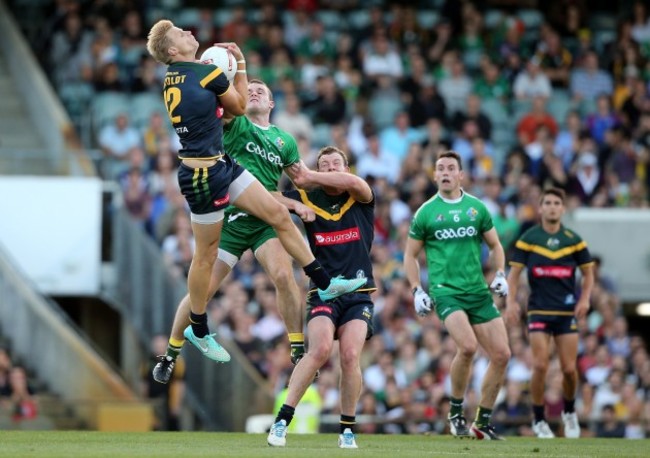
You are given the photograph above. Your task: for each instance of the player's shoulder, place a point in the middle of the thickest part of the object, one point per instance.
(571, 235)
(428, 205)
(532, 233)
(471, 199)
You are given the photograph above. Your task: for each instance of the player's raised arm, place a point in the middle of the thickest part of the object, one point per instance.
(234, 102)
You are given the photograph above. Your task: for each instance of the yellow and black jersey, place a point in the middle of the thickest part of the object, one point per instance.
(341, 235)
(191, 93)
(551, 260)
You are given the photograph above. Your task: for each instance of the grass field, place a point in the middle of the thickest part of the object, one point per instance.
(67, 444)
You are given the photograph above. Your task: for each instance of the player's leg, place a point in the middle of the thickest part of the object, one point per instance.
(352, 336)
(279, 267)
(493, 338)
(567, 348)
(256, 200)
(321, 338)
(461, 332)
(540, 342)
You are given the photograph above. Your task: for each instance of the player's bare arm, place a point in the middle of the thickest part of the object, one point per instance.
(496, 250)
(357, 187)
(582, 307)
(303, 211)
(411, 264)
(513, 309)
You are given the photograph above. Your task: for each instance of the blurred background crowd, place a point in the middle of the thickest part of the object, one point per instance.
(530, 95)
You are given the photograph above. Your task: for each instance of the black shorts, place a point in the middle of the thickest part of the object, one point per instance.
(352, 306)
(206, 188)
(554, 325)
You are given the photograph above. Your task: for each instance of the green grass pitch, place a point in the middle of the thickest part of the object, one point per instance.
(18, 444)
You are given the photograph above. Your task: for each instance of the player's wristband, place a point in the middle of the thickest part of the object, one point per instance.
(241, 61)
(241, 71)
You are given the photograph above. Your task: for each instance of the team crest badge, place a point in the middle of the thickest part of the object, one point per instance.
(552, 243)
(440, 217)
(472, 213)
(279, 143)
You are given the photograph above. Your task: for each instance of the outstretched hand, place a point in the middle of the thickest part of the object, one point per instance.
(233, 48)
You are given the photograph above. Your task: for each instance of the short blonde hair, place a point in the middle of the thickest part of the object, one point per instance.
(158, 43)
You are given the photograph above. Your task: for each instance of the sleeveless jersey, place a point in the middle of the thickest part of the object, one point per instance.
(452, 234)
(190, 94)
(551, 260)
(341, 235)
(263, 151)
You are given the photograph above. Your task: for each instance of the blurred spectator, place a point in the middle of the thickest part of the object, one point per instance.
(328, 107)
(529, 124)
(473, 111)
(491, 84)
(178, 247)
(513, 413)
(602, 120)
(455, 87)
(70, 52)
(609, 425)
(588, 81)
(587, 179)
(118, 137)
(555, 60)
(533, 82)
(291, 119)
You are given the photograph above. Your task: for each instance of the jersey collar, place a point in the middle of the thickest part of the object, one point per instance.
(452, 201)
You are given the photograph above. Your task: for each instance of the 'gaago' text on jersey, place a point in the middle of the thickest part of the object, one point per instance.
(452, 234)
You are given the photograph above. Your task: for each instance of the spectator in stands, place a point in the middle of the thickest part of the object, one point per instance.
(491, 84)
(5, 369)
(566, 141)
(473, 111)
(555, 60)
(532, 82)
(603, 119)
(586, 179)
(609, 425)
(69, 55)
(20, 397)
(456, 87)
(117, 138)
(512, 414)
(251, 346)
(178, 247)
(588, 81)
(329, 106)
(396, 139)
(530, 122)
(292, 120)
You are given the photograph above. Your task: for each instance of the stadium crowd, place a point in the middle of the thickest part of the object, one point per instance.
(528, 100)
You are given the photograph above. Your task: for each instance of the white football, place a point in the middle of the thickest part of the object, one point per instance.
(222, 58)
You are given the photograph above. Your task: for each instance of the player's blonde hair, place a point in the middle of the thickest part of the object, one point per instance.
(332, 150)
(158, 42)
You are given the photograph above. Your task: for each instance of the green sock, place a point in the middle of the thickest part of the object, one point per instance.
(483, 416)
(456, 407)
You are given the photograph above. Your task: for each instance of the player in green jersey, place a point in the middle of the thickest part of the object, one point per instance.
(552, 253)
(197, 97)
(451, 226)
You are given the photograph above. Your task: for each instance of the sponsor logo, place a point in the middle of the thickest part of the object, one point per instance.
(537, 326)
(338, 237)
(251, 147)
(552, 271)
(182, 130)
(366, 313)
(219, 112)
(440, 218)
(472, 213)
(321, 308)
(235, 216)
(222, 201)
(458, 233)
(279, 143)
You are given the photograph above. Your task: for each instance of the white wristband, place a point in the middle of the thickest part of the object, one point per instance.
(241, 71)
(241, 61)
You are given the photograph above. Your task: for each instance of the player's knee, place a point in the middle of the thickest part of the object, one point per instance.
(501, 357)
(278, 216)
(467, 350)
(282, 277)
(569, 372)
(349, 358)
(320, 352)
(540, 366)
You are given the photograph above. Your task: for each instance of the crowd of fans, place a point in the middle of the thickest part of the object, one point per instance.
(527, 100)
(18, 402)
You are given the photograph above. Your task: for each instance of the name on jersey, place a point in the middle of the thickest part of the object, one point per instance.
(338, 237)
(251, 147)
(171, 80)
(552, 271)
(458, 233)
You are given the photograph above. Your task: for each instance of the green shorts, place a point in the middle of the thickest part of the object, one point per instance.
(479, 308)
(242, 231)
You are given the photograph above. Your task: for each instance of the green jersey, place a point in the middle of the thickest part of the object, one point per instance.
(263, 151)
(452, 234)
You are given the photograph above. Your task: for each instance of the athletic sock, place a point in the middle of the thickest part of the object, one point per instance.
(286, 413)
(199, 324)
(483, 416)
(569, 405)
(456, 407)
(347, 421)
(538, 411)
(318, 275)
(174, 348)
